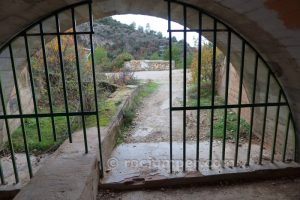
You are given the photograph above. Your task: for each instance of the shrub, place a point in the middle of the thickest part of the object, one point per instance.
(176, 55)
(55, 77)
(118, 62)
(206, 62)
(124, 77)
(100, 55)
(155, 56)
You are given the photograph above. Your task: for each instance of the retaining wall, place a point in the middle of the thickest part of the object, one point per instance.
(148, 65)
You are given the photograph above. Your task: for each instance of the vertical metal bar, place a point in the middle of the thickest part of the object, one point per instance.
(62, 71)
(252, 111)
(47, 80)
(79, 80)
(295, 142)
(32, 87)
(170, 85)
(226, 95)
(286, 137)
(199, 87)
(11, 147)
(184, 87)
(213, 94)
(95, 89)
(20, 110)
(265, 118)
(296, 149)
(1, 174)
(276, 127)
(239, 103)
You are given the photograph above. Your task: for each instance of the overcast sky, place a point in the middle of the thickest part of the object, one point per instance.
(156, 24)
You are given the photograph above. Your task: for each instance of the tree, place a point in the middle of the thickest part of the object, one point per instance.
(174, 39)
(132, 25)
(176, 55)
(206, 62)
(100, 55)
(159, 34)
(101, 59)
(141, 29)
(147, 30)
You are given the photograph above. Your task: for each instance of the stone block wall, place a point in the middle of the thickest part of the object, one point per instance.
(148, 65)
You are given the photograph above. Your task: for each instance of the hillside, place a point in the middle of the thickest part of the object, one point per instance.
(116, 38)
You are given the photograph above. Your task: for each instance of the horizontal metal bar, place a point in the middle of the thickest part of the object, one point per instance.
(60, 114)
(198, 30)
(57, 33)
(229, 106)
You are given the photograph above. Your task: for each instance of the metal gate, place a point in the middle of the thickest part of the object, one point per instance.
(16, 56)
(50, 28)
(236, 50)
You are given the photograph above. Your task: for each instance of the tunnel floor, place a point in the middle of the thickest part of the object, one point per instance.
(145, 152)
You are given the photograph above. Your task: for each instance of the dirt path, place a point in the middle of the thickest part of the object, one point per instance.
(152, 121)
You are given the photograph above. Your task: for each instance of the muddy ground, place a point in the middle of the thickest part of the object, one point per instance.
(152, 117)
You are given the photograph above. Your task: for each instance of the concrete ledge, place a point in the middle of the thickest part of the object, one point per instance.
(110, 133)
(70, 174)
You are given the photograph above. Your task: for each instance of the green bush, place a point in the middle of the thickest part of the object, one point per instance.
(176, 55)
(118, 62)
(101, 59)
(155, 56)
(231, 128)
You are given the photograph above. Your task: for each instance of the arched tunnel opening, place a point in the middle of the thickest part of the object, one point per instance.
(221, 104)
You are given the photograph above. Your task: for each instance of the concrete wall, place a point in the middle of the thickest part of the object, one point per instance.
(148, 65)
(233, 90)
(10, 93)
(270, 26)
(247, 89)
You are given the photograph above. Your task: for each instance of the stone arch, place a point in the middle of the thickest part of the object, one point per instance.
(256, 21)
(136, 8)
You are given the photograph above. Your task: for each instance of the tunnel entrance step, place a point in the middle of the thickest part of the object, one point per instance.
(146, 165)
